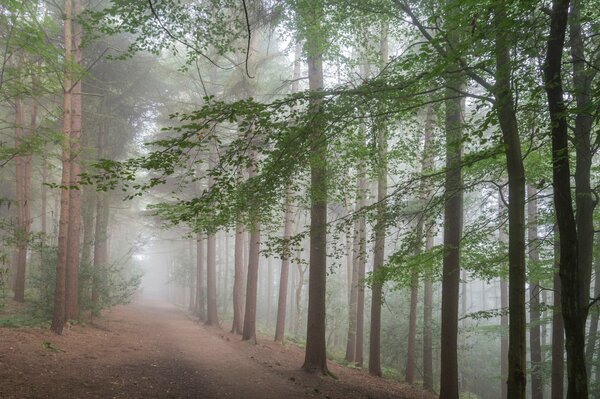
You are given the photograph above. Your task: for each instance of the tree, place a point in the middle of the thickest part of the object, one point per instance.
(58, 318)
(315, 359)
(380, 231)
(574, 232)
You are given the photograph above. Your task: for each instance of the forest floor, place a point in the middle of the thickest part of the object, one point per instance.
(152, 349)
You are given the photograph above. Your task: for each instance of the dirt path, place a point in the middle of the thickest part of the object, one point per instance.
(153, 350)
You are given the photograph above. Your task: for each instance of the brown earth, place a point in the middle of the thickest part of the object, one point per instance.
(153, 350)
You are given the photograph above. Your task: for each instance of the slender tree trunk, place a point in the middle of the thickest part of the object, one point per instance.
(428, 323)
(269, 292)
(573, 230)
(516, 208)
(44, 195)
(360, 300)
(380, 232)
(238, 279)
(285, 268)
(426, 166)
(87, 218)
(72, 292)
(200, 278)
(100, 262)
(558, 331)
(19, 283)
(58, 316)
(315, 359)
(356, 258)
(537, 384)
(299, 286)
(212, 318)
(453, 221)
(249, 331)
(427, 286)
(593, 331)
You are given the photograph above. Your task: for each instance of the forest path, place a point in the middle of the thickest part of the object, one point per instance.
(151, 349)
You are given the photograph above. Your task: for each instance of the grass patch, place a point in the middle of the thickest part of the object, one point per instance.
(22, 321)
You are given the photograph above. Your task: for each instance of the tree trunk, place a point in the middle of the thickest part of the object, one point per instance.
(537, 384)
(72, 291)
(100, 250)
(516, 208)
(58, 316)
(19, 283)
(380, 232)
(360, 300)
(212, 318)
(453, 221)
(558, 330)
(238, 279)
(315, 359)
(427, 286)
(249, 331)
(269, 292)
(593, 331)
(428, 323)
(285, 269)
(573, 231)
(200, 278)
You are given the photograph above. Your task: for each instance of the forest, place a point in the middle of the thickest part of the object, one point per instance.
(299, 198)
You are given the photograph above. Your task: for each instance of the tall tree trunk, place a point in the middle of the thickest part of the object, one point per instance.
(558, 331)
(357, 258)
(72, 292)
(593, 331)
(537, 384)
(87, 218)
(315, 359)
(453, 223)
(428, 322)
(380, 231)
(516, 207)
(269, 292)
(100, 262)
(285, 269)
(574, 231)
(238, 279)
(200, 278)
(19, 283)
(58, 316)
(212, 318)
(361, 259)
(44, 195)
(249, 331)
(426, 166)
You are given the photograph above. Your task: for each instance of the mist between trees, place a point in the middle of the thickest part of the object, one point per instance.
(405, 187)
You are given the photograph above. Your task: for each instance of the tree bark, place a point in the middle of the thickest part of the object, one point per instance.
(200, 278)
(315, 359)
(212, 318)
(593, 331)
(516, 207)
(285, 269)
(58, 316)
(249, 331)
(238, 279)
(427, 286)
(573, 231)
(73, 242)
(453, 222)
(380, 232)
(537, 383)
(19, 283)
(558, 331)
